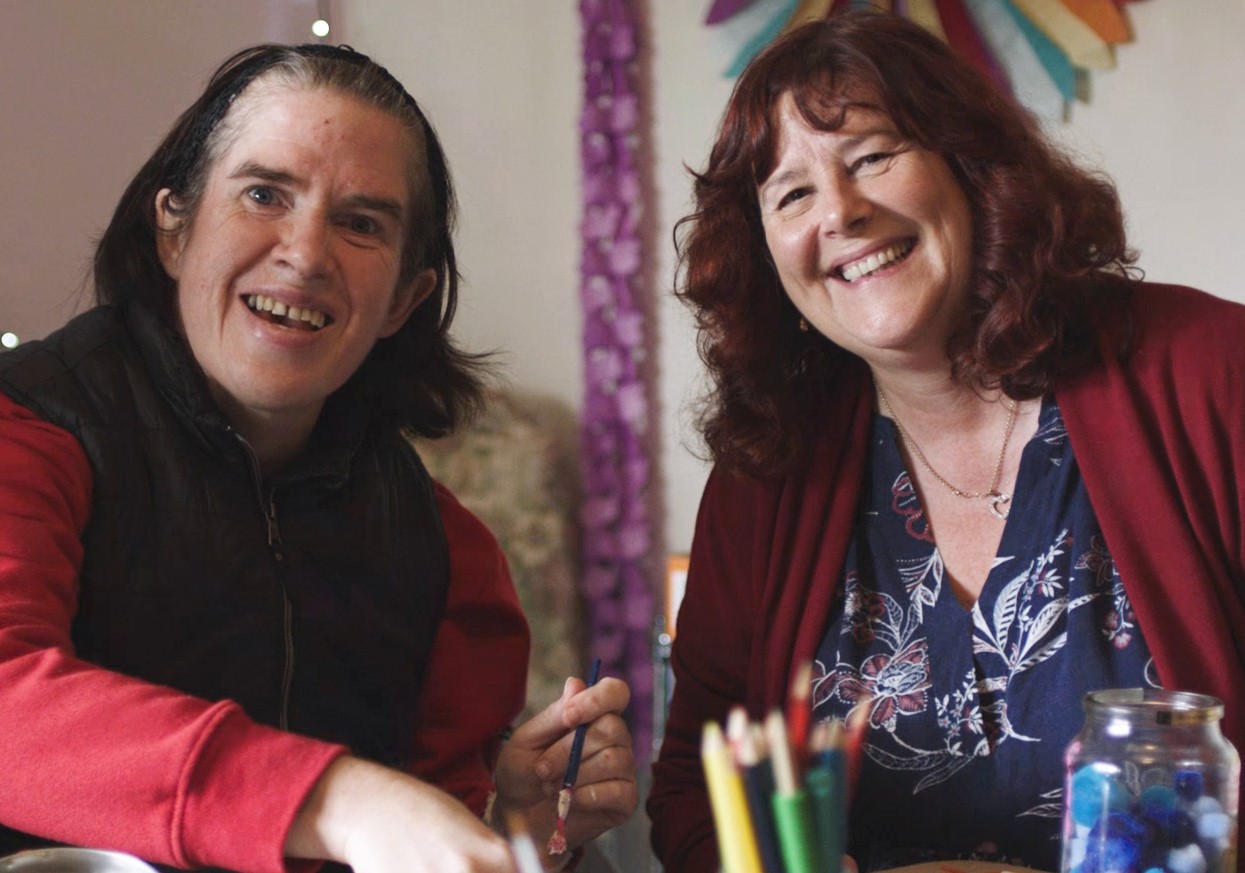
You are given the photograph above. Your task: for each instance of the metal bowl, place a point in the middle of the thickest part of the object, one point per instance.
(72, 860)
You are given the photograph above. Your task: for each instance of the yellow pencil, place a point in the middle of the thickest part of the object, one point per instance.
(737, 843)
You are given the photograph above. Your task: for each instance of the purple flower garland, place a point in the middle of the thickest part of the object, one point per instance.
(618, 540)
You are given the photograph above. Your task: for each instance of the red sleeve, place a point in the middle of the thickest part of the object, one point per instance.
(477, 675)
(710, 674)
(96, 758)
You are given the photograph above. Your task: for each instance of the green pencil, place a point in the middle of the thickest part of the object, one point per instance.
(797, 838)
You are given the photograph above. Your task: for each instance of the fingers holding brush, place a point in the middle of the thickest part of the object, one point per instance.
(605, 795)
(575, 754)
(599, 777)
(606, 754)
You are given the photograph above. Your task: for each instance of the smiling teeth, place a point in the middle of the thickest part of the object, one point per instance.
(262, 303)
(874, 262)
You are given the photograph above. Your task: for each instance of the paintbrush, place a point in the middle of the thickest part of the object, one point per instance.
(557, 842)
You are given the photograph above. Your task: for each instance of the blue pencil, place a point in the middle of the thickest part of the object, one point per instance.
(758, 779)
(557, 842)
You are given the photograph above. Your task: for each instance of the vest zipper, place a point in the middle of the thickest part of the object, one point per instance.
(287, 616)
(269, 509)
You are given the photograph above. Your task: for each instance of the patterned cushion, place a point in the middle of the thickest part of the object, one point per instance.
(517, 468)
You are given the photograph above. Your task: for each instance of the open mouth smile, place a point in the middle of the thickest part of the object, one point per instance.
(870, 264)
(277, 312)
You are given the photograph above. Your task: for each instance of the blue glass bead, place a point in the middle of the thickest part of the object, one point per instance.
(1156, 799)
(1117, 844)
(1096, 794)
(1171, 826)
(1188, 784)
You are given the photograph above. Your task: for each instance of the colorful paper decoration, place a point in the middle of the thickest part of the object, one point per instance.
(1040, 50)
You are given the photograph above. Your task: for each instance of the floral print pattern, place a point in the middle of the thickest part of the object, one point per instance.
(969, 710)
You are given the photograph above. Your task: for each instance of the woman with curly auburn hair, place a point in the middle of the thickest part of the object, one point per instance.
(967, 464)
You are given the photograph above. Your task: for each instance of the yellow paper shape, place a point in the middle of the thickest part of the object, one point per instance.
(1079, 42)
(925, 13)
(1104, 17)
(809, 10)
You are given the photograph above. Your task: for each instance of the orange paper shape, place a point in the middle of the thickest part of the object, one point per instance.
(1104, 18)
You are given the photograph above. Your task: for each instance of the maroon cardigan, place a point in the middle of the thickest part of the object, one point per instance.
(768, 554)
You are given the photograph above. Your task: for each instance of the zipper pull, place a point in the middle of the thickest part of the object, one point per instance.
(274, 533)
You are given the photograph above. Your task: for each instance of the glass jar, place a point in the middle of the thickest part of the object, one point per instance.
(1150, 784)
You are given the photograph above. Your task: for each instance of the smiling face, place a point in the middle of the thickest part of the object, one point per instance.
(871, 236)
(288, 272)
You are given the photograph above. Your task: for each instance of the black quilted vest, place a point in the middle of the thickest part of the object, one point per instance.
(311, 600)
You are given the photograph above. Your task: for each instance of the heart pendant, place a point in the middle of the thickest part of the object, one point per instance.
(999, 504)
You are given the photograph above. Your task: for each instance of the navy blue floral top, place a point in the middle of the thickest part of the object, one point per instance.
(972, 708)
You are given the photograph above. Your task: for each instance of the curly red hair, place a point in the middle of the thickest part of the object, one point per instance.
(1050, 260)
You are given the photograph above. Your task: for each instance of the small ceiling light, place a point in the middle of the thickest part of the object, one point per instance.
(8, 340)
(320, 28)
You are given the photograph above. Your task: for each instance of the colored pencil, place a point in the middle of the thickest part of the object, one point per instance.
(758, 778)
(737, 725)
(557, 842)
(854, 741)
(826, 785)
(799, 712)
(792, 816)
(526, 858)
(737, 845)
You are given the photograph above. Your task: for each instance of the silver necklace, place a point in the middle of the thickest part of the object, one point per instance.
(1000, 503)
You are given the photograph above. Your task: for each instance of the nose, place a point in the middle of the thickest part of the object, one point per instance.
(846, 208)
(303, 246)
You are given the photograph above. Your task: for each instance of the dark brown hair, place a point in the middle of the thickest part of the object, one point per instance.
(417, 378)
(1050, 260)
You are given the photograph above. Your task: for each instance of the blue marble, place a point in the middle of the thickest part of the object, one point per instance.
(1188, 784)
(1095, 794)
(1155, 799)
(1117, 844)
(1170, 827)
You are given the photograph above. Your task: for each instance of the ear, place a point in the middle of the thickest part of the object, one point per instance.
(406, 299)
(169, 237)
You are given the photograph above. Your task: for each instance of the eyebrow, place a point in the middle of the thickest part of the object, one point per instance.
(252, 170)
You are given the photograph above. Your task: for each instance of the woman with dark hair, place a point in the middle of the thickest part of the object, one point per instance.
(239, 623)
(966, 463)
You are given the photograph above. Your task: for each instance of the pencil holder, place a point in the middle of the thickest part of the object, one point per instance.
(1150, 783)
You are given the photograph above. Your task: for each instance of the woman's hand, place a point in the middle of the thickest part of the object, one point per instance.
(379, 820)
(533, 762)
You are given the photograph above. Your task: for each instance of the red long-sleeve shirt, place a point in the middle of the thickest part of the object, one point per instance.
(93, 757)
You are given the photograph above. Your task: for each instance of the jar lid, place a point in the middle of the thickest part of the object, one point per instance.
(1154, 704)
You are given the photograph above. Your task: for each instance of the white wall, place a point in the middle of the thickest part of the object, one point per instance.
(98, 82)
(499, 81)
(1169, 126)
